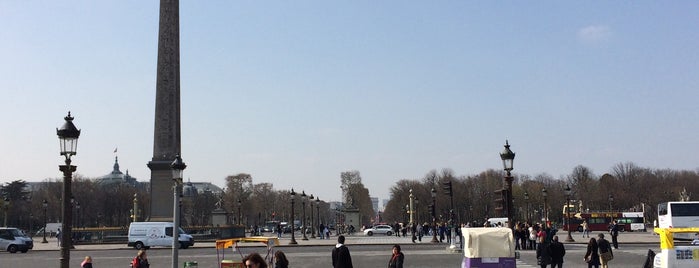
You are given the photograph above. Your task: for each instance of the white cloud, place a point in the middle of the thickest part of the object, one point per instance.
(594, 34)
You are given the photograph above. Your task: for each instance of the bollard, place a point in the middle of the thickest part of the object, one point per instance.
(190, 264)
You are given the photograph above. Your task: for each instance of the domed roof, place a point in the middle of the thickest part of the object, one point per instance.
(116, 176)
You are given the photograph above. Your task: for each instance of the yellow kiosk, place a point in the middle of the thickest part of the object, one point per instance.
(672, 256)
(222, 245)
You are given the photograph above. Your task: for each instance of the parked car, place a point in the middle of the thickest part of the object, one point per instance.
(379, 229)
(13, 240)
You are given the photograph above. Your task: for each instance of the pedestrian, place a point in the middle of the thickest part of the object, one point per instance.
(614, 231)
(413, 230)
(592, 254)
(396, 226)
(58, 236)
(279, 230)
(87, 262)
(280, 260)
(532, 236)
(586, 229)
(341, 254)
(543, 252)
(605, 251)
(397, 258)
(327, 232)
(557, 251)
(321, 231)
(141, 260)
(518, 237)
(254, 260)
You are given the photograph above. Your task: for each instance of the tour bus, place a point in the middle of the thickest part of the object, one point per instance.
(679, 214)
(600, 220)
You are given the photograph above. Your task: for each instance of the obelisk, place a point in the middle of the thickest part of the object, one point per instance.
(166, 143)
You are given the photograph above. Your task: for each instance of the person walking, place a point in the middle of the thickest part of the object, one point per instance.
(341, 255)
(280, 260)
(614, 231)
(586, 229)
(397, 258)
(592, 254)
(254, 260)
(58, 236)
(321, 231)
(557, 251)
(141, 260)
(605, 251)
(87, 262)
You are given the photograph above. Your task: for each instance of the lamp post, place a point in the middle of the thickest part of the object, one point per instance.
(416, 206)
(240, 216)
(45, 204)
(177, 170)
(567, 192)
(310, 201)
(411, 208)
(68, 136)
(611, 199)
(508, 158)
(303, 220)
(6, 207)
(293, 228)
(77, 215)
(526, 200)
(544, 193)
(434, 217)
(318, 215)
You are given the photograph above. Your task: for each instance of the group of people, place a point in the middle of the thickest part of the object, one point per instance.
(341, 257)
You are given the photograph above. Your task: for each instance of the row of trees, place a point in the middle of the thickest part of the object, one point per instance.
(248, 203)
(632, 188)
(95, 204)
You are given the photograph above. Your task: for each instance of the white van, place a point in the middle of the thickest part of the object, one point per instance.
(13, 240)
(51, 229)
(498, 222)
(149, 234)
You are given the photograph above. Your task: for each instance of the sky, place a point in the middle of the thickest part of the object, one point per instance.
(296, 92)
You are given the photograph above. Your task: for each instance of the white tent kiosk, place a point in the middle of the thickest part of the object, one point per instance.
(488, 248)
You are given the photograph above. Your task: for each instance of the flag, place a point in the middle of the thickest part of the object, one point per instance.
(115, 150)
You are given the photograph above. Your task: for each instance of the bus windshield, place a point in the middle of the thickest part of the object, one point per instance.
(679, 215)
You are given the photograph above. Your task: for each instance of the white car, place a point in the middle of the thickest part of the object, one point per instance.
(379, 229)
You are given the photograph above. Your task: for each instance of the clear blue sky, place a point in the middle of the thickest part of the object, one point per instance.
(295, 92)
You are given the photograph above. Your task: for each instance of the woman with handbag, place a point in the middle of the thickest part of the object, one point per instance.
(605, 251)
(592, 254)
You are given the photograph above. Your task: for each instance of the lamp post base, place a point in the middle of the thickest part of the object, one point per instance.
(569, 238)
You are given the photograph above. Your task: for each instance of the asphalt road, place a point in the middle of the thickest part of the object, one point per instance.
(363, 256)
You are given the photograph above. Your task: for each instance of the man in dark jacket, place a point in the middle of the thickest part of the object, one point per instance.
(614, 231)
(341, 255)
(557, 251)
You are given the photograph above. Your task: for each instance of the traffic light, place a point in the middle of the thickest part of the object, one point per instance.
(431, 209)
(447, 188)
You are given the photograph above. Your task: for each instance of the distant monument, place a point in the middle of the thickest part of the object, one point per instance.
(166, 143)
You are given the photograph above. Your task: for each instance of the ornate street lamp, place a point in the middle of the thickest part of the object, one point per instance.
(411, 208)
(310, 201)
(68, 136)
(303, 220)
(318, 215)
(434, 216)
(45, 204)
(567, 192)
(611, 199)
(293, 228)
(526, 200)
(177, 174)
(544, 193)
(240, 216)
(6, 207)
(508, 158)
